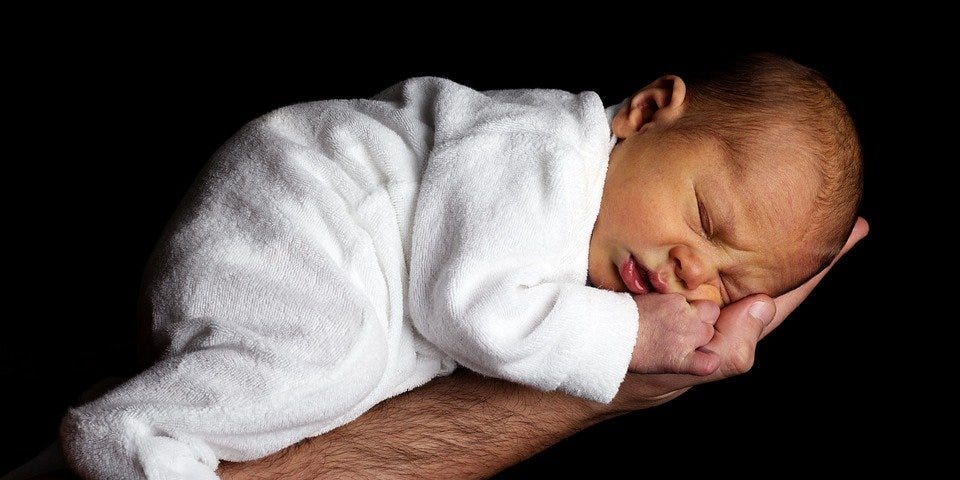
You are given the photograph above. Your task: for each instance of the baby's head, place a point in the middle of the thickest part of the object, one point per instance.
(743, 180)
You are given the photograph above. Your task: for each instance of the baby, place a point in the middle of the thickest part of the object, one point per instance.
(333, 254)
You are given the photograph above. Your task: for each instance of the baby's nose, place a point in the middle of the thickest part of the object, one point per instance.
(688, 269)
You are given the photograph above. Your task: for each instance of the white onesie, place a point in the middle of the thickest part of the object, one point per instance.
(336, 253)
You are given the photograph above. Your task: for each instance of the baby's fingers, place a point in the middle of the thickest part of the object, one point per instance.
(706, 311)
(701, 362)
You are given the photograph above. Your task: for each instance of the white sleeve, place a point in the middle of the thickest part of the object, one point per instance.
(501, 236)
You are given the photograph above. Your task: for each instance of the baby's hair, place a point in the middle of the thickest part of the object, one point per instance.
(738, 100)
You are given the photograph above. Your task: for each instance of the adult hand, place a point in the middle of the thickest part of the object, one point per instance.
(738, 329)
(789, 301)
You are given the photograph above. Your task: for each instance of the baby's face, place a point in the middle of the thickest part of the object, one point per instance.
(678, 216)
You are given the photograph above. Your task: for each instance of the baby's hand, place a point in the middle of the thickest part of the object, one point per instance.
(670, 334)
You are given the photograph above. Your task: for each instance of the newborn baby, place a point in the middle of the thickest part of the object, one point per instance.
(333, 254)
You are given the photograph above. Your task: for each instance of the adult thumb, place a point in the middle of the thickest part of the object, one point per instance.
(746, 318)
(763, 310)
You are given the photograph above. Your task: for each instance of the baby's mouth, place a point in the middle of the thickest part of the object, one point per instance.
(635, 276)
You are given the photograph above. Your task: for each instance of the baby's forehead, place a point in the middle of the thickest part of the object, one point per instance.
(764, 213)
(774, 188)
(779, 179)
(776, 148)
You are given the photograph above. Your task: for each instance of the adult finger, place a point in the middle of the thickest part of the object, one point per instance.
(787, 302)
(737, 331)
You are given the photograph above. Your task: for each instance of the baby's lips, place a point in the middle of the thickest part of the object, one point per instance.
(632, 277)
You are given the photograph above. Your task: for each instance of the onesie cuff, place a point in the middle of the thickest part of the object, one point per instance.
(606, 349)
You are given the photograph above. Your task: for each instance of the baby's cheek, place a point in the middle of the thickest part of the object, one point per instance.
(706, 292)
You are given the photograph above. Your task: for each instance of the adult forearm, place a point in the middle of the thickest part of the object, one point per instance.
(461, 426)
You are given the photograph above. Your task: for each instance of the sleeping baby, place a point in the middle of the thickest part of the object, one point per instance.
(336, 253)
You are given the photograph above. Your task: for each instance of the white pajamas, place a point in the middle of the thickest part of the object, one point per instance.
(333, 254)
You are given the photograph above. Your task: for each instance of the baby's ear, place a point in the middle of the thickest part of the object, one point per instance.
(661, 102)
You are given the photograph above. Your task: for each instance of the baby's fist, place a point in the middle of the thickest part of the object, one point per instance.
(671, 332)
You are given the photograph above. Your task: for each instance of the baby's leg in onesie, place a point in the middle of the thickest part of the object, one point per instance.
(231, 392)
(236, 390)
(267, 336)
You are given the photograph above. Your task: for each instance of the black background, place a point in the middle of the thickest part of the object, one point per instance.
(110, 125)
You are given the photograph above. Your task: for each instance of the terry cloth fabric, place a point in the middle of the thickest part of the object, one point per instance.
(336, 253)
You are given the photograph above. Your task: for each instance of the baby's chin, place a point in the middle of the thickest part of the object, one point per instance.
(604, 284)
(605, 279)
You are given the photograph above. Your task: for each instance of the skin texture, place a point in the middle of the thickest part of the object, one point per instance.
(705, 228)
